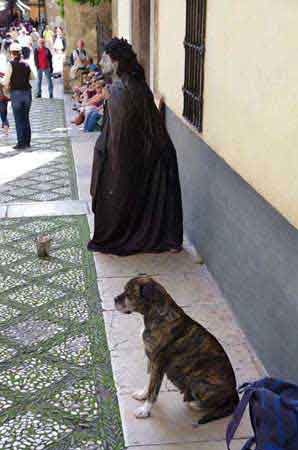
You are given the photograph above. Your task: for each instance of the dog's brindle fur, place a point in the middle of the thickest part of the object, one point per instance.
(179, 347)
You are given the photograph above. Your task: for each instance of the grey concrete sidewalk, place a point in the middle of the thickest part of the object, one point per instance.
(192, 287)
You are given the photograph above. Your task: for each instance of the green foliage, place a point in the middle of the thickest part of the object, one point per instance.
(60, 3)
(91, 2)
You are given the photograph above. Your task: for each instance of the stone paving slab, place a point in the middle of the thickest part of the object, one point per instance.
(188, 288)
(56, 382)
(58, 208)
(201, 299)
(196, 291)
(151, 264)
(172, 422)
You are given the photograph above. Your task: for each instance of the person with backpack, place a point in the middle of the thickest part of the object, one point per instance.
(79, 60)
(79, 56)
(17, 77)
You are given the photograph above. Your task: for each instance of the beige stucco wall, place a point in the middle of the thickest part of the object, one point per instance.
(251, 94)
(124, 19)
(171, 33)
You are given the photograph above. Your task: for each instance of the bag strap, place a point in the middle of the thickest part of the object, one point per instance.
(249, 443)
(238, 414)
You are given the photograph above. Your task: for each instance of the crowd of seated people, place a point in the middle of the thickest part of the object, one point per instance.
(88, 97)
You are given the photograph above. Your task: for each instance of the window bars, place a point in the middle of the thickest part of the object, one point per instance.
(194, 61)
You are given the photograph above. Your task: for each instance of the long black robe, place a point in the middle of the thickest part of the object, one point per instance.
(135, 188)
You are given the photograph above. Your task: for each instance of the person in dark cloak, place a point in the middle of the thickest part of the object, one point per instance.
(135, 188)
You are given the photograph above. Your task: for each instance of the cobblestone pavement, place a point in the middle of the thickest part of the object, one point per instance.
(56, 383)
(46, 171)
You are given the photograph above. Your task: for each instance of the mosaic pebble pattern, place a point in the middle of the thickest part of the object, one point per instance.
(35, 295)
(6, 353)
(32, 332)
(9, 281)
(89, 445)
(31, 376)
(30, 431)
(40, 267)
(7, 312)
(54, 180)
(8, 256)
(73, 255)
(56, 382)
(5, 403)
(71, 310)
(78, 400)
(74, 279)
(74, 350)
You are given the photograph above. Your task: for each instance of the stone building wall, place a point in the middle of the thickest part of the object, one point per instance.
(80, 22)
(53, 14)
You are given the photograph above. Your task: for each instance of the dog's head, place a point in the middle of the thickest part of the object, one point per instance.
(141, 294)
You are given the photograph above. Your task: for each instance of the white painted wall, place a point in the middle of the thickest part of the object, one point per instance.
(171, 33)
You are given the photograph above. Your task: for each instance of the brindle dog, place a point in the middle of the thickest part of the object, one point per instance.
(180, 348)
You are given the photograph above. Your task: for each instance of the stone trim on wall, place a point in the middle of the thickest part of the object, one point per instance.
(80, 22)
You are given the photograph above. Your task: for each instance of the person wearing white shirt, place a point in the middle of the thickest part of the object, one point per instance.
(25, 42)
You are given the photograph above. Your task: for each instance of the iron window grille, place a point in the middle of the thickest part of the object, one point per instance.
(194, 44)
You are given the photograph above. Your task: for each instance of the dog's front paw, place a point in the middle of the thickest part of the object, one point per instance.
(140, 395)
(143, 412)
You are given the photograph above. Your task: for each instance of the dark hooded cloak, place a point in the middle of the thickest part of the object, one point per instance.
(135, 189)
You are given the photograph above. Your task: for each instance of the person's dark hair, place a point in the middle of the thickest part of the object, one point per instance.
(120, 50)
(17, 56)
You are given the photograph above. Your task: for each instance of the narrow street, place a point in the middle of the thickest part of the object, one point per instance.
(56, 385)
(62, 344)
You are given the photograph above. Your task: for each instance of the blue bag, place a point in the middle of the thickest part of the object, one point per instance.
(273, 408)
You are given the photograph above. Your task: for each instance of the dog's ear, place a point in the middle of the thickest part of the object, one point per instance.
(147, 290)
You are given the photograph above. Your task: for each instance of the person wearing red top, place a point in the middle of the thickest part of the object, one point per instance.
(43, 62)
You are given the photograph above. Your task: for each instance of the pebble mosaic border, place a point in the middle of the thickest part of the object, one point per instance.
(56, 383)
